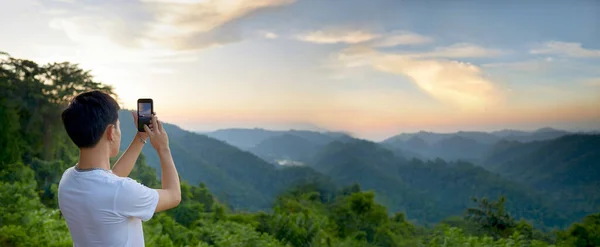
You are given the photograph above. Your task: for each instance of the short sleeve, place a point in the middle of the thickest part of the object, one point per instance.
(135, 200)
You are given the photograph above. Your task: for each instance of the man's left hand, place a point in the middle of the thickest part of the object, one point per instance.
(143, 135)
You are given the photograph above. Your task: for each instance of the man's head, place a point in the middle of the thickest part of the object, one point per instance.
(92, 120)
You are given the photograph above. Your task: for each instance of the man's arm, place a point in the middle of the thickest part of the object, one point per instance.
(125, 164)
(170, 194)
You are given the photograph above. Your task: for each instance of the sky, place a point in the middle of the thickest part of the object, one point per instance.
(368, 67)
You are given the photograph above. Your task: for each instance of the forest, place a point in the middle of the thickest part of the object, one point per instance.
(232, 197)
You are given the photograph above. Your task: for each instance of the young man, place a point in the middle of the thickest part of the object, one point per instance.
(104, 207)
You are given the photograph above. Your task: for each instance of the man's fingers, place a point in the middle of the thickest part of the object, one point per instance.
(160, 126)
(147, 129)
(154, 121)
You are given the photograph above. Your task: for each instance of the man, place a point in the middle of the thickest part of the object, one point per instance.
(104, 207)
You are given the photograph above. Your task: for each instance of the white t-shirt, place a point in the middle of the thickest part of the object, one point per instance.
(103, 209)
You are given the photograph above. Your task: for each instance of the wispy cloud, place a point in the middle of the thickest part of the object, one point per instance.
(352, 36)
(462, 50)
(402, 38)
(397, 38)
(552, 68)
(565, 49)
(337, 36)
(203, 24)
(460, 84)
(176, 25)
(528, 65)
(270, 35)
(458, 50)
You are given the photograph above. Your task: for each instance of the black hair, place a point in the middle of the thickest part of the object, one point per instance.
(87, 117)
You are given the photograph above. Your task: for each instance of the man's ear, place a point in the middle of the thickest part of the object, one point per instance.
(110, 132)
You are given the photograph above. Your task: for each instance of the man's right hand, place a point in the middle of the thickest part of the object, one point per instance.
(158, 136)
(170, 194)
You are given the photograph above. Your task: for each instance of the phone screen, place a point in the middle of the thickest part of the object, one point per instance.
(144, 113)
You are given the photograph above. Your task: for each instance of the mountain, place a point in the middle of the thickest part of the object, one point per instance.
(373, 167)
(508, 132)
(427, 191)
(453, 147)
(243, 138)
(567, 168)
(544, 163)
(462, 145)
(279, 147)
(239, 178)
(431, 138)
(538, 135)
(246, 139)
(459, 148)
(286, 147)
(427, 137)
(480, 137)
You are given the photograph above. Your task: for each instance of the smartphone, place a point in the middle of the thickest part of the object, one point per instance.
(145, 108)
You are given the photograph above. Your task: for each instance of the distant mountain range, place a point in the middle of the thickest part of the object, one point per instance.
(294, 147)
(280, 147)
(463, 145)
(547, 175)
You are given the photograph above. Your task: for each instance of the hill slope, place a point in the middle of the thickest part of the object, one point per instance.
(427, 191)
(243, 138)
(568, 168)
(286, 147)
(246, 139)
(545, 163)
(279, 147)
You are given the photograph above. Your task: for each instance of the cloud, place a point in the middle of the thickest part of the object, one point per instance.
(528, 65)
(207, 15)
(397, 38)
(339, 36)
(187, 26)
(565, 49)
(461, 50)
(551, 68)
(178, 25)
(459, 84)
(402, 38)
(335, 36)
(270, 35)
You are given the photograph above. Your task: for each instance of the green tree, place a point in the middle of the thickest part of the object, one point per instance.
(491, 217)
(584, 234)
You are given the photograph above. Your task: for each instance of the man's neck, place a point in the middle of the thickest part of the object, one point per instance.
(96, 157)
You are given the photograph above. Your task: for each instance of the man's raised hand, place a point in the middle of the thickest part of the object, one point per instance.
(158, 135)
